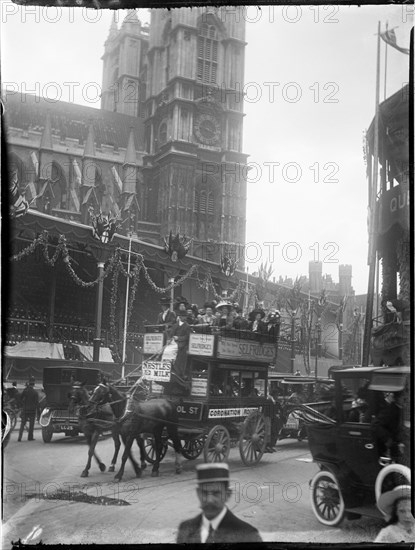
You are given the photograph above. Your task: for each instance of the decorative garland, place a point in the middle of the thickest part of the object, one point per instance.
(136, 278)
(31, 248)
(161, 290)
(113, 306)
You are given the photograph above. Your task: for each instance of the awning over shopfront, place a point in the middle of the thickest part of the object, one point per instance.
(105, 354)
(45, 350)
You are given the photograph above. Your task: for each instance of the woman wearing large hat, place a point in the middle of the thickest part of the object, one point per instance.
(225, 317)
(395, 505)
(257, 324)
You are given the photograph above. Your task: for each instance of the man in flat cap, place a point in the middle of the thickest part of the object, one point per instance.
(216, 523)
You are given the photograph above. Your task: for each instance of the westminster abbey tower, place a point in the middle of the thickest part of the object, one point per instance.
(183, 76)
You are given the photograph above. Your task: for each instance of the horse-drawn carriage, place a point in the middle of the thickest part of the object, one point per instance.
(293, 396)
(354, 468)
(56, 417)
(223, 401)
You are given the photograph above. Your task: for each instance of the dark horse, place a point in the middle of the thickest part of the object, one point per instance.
(144, 417)
(94, 419)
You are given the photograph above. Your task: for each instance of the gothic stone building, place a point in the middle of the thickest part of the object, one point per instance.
(164, 153)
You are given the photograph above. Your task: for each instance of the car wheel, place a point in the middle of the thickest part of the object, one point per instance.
(326, 499)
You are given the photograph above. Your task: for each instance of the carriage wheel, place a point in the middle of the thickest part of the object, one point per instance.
(326, 499)
(253, 439)
(193, 446)
(150, 450)
(47, 433)
(399, 474)
(217, 445)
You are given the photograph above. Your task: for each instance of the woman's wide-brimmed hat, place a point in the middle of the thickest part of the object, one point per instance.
(387, 500)
(255, 312)
(224, 304)
(181, 300)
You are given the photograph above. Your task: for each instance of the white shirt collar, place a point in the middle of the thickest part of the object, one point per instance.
(204, 529)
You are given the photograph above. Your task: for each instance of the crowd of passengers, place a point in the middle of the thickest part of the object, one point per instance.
(224, 314)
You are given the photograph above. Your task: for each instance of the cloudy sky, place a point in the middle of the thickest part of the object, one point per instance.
(310, 74)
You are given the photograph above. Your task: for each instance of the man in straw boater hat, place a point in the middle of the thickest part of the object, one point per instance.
(216, 523)
(395, 506)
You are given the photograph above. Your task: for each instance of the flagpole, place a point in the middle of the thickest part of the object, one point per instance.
(372, 225)
(386, 64)
(124, 343)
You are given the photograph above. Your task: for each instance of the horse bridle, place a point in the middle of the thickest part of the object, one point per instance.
(108, 395)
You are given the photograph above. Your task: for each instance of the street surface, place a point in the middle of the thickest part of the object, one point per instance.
(45, 499)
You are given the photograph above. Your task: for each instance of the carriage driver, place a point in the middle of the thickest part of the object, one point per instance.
(216, 523)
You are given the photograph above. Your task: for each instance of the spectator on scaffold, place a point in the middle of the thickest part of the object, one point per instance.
(166, 317)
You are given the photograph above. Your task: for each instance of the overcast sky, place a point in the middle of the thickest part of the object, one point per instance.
(310, 95)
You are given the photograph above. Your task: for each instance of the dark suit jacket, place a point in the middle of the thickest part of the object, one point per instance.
(30, 401)
(170, 319)
(230, 530)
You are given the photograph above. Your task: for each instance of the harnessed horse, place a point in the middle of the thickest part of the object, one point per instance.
(94, 418)
(144, 417)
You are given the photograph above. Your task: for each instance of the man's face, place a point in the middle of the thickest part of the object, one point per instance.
(212, 498)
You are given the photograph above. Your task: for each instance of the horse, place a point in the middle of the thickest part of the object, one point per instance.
(117, 401)
(93, 420)
(144, 417)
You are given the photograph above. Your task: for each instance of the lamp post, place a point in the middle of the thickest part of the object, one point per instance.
(171, 282)
(101, 253)
(292, 358)
(98, 312)
(246, 301)
(318, 344)
(124, 341)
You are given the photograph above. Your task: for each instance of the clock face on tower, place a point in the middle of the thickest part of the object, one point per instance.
(207, 129)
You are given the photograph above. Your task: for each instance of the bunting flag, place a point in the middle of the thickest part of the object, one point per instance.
(19, 204)
(340, 311)
(75, 199)
(117, 178)
(33, 192)
(322, 299)
(389, 37)
(78, 174)
(35, 162)
(115, 207)
(87, 195)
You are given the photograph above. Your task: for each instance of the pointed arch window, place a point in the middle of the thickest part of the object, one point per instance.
(207, 54)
